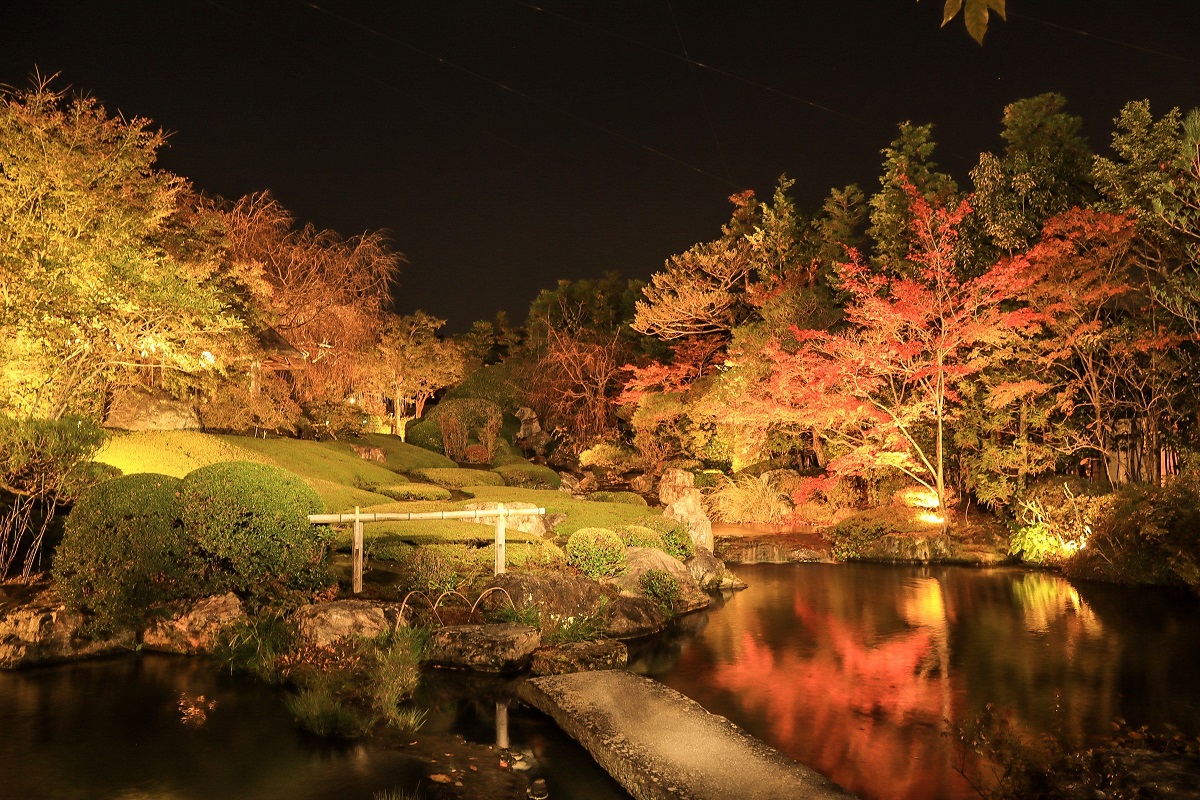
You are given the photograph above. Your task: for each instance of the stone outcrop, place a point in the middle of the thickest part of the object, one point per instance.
(580, 657)
(689, 510)
(556, 596)
(640, 560)
(531, 437)
(42, 631)
(526, 523)
(561, 596)
(140, 411)
(325, 623)
(506, 647)
(773, 548)
(711, 574)
(642, 484)
(674, 484)
(192, 626)
(633, 617)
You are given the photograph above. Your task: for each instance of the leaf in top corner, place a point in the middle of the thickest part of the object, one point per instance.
(998, 7)
(952, 8)
(976, 17)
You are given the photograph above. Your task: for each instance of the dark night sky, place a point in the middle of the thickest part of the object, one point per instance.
(508, 144)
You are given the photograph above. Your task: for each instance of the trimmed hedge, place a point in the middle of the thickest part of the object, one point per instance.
(123, 551)
(249, 524)
(458, 477)
(640, 536)
(414, 491)
(676, 540)
(596, 552)
(529, 476)
(627, 498)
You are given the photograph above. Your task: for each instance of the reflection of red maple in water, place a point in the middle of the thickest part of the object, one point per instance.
(868, 715)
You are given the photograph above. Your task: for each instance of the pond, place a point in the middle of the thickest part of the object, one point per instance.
(856, 670)
(861, 671)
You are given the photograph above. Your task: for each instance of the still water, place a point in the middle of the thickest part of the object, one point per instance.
(861, 671)
(857, 671)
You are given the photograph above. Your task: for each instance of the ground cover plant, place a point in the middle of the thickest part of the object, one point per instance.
(458, 478)
(578, 513)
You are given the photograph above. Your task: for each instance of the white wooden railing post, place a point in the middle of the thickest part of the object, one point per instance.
(356, 552)
(500, 539)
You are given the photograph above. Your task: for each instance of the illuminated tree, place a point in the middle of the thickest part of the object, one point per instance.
(414, 363)
(886, 386)
(327, 294)
(95, 289)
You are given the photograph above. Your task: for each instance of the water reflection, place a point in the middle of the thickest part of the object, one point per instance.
(862, 671)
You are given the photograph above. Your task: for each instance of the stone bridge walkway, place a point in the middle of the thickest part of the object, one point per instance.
(661, 745)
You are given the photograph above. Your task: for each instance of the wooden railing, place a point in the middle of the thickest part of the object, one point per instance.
(358, 518)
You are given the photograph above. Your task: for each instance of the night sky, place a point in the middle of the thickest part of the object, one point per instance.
(508, 144)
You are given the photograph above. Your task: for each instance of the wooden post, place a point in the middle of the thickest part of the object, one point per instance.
(356, 553)
(502, 725)
(500, 539)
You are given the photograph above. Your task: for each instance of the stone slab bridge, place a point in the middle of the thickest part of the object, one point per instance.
(661, 745)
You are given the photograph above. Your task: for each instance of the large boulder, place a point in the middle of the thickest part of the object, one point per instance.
(506, 647)
(556, 596)
(192, 626)
(41, 630)
(531, 437)
(580, 657)
(526, 523)
(141, 411)
(633, 617)
(323, 624)
(689, 510)
(710, 572)
(640, 560)
(674, 484)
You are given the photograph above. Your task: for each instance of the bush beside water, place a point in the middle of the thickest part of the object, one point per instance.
(123, 551)
(596, 552)
(248, 523)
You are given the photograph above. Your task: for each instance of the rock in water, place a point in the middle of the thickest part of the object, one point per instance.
(580, 657)
(325, 623)
(192, 626)
(506, 647)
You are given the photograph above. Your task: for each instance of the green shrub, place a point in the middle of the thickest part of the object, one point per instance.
(855, 537)
(596, 552)
(474, 415)
(625, 498)
(662, 587)
(676, 539)
(414, 491)
(709, 479)
(458, 477)
(123, 551)
(1148, 535)
(249, 523)
(607, 456)
(437, 568)
(495, 383)
(529, 476)
(534, 555)
(640, 536)
(333, 421)
(1055, 518)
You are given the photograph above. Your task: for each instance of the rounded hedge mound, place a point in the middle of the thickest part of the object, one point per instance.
(123, 550)
(458, 477)
(640, 536)
(676, 540)
(596, 552)
(625, 498)
(529, 476)
(249, 524)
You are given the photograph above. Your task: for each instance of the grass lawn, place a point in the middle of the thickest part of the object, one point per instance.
(580, 513)
(401, 457)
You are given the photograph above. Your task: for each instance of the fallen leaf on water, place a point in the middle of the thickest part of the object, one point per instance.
(440, 778)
